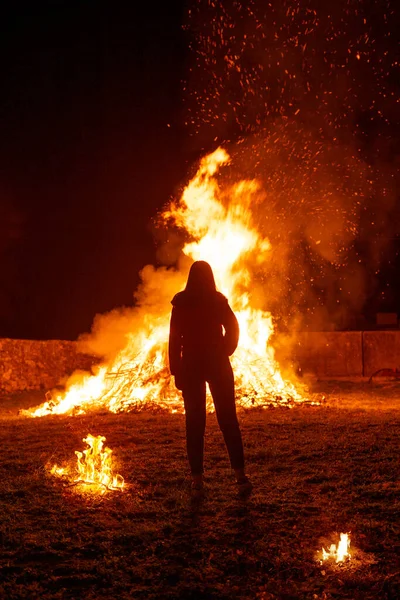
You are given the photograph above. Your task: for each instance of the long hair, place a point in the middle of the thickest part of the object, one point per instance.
(201, 280)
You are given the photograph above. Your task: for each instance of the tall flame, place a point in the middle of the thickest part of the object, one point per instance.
(219, 224)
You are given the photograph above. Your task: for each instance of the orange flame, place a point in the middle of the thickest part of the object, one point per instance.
(222, 232)
(339, 552)
(94, 465)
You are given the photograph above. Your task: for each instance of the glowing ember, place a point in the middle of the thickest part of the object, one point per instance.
(221, 229)
(340, 552)
(94, 465)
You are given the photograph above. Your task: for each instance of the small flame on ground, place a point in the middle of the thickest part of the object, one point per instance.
(94, 465)
(340, 552)
(59, 471)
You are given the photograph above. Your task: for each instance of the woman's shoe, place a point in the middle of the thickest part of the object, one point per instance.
(197, 490)
(245, 487)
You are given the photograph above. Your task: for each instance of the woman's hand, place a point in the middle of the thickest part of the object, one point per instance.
(178, 381)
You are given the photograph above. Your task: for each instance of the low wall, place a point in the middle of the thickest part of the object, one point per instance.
(381, 351)
(347, 353)
(330, 354)
(35, 365)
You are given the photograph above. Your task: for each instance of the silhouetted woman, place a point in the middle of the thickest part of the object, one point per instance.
(204, 332)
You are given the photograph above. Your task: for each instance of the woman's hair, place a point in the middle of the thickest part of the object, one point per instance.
(201, 279)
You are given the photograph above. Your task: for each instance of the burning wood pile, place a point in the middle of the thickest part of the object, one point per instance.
(219, 224)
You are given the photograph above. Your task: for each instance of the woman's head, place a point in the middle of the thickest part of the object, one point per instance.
(201, 279)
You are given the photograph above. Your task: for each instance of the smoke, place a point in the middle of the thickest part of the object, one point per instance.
(111, 331)
(313, 194)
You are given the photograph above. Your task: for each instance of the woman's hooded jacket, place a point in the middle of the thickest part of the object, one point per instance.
(203, 325)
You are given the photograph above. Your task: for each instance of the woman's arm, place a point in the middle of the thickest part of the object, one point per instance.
(175, 342)
(231, 326)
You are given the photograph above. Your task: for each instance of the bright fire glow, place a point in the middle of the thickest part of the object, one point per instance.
(94, 465)
(220, 227)
(340, 552)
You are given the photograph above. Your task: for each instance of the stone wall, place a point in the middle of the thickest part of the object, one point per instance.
(330, 354)
(381, 351)
(35, 365)
(347, 353)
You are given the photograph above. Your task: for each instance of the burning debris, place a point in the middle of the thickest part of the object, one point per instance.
(340, 552)
(94, 465)
(221, 229)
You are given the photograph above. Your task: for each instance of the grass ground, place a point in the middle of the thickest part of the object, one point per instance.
(316, 472)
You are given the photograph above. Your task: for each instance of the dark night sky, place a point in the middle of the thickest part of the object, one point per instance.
(87, 157)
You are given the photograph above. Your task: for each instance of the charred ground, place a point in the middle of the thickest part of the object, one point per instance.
(316, 471)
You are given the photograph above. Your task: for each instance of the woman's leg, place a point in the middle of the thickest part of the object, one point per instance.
(194, 397)
(222, 388)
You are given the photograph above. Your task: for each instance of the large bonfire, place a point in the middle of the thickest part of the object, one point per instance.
(220, 229)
